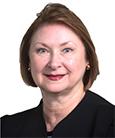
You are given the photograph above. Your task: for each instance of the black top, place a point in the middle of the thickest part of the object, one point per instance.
(93, 117)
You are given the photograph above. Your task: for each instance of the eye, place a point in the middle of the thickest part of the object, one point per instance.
(67, 50)
(41, 50)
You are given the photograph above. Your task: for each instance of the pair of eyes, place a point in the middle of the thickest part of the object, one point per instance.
(44, 50)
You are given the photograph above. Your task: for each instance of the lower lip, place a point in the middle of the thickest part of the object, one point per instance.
(55, 78)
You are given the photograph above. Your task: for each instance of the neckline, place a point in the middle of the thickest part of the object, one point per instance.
(50, 133)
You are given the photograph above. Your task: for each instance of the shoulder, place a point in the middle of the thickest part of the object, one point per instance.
(103, 112)
(101, 108)
(97, 100)
(21, 115)
(96, 106)
(99, 104)
(11, 125)
(99, 113)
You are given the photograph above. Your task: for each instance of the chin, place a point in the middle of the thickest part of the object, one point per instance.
(54, 89)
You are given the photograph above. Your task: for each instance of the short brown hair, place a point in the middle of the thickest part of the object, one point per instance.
(58, 13)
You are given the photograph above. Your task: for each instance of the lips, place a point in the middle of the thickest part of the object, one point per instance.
(55, 77)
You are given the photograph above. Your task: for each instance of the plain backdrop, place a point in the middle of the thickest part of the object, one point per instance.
(15, 18)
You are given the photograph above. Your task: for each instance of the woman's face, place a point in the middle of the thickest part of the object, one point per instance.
(57, 59)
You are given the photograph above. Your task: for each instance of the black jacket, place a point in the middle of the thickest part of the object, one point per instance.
(93, 117)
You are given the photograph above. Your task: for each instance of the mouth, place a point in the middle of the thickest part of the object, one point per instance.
(55, 77)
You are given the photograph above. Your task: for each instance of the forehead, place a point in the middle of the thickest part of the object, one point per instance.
(55, 34)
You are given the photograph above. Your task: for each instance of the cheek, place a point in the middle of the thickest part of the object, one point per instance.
(75, 64)
(70, 64)
(37, 64)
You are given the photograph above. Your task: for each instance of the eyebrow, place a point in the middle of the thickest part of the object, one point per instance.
(62, 44)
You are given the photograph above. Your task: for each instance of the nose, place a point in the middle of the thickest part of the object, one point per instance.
(54, 61)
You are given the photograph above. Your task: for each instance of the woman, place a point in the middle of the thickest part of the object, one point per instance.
(58, 56)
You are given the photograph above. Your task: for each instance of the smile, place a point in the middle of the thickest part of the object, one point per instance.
(55, 77)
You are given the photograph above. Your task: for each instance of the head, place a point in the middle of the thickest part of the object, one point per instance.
(59, 14)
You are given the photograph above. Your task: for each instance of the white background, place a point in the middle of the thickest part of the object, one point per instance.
(15, 18)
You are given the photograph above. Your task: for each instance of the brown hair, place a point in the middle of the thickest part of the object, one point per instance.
(58, 13)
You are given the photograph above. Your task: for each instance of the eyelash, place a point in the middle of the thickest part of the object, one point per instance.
(41, 50)
(67, 50)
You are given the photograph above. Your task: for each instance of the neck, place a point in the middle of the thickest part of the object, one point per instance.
(57, 106)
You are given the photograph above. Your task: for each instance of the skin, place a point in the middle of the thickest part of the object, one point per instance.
(58, 64)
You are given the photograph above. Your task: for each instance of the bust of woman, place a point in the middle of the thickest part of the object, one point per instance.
(58, 56)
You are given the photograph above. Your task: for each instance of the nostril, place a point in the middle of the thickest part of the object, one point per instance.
(54, 66)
